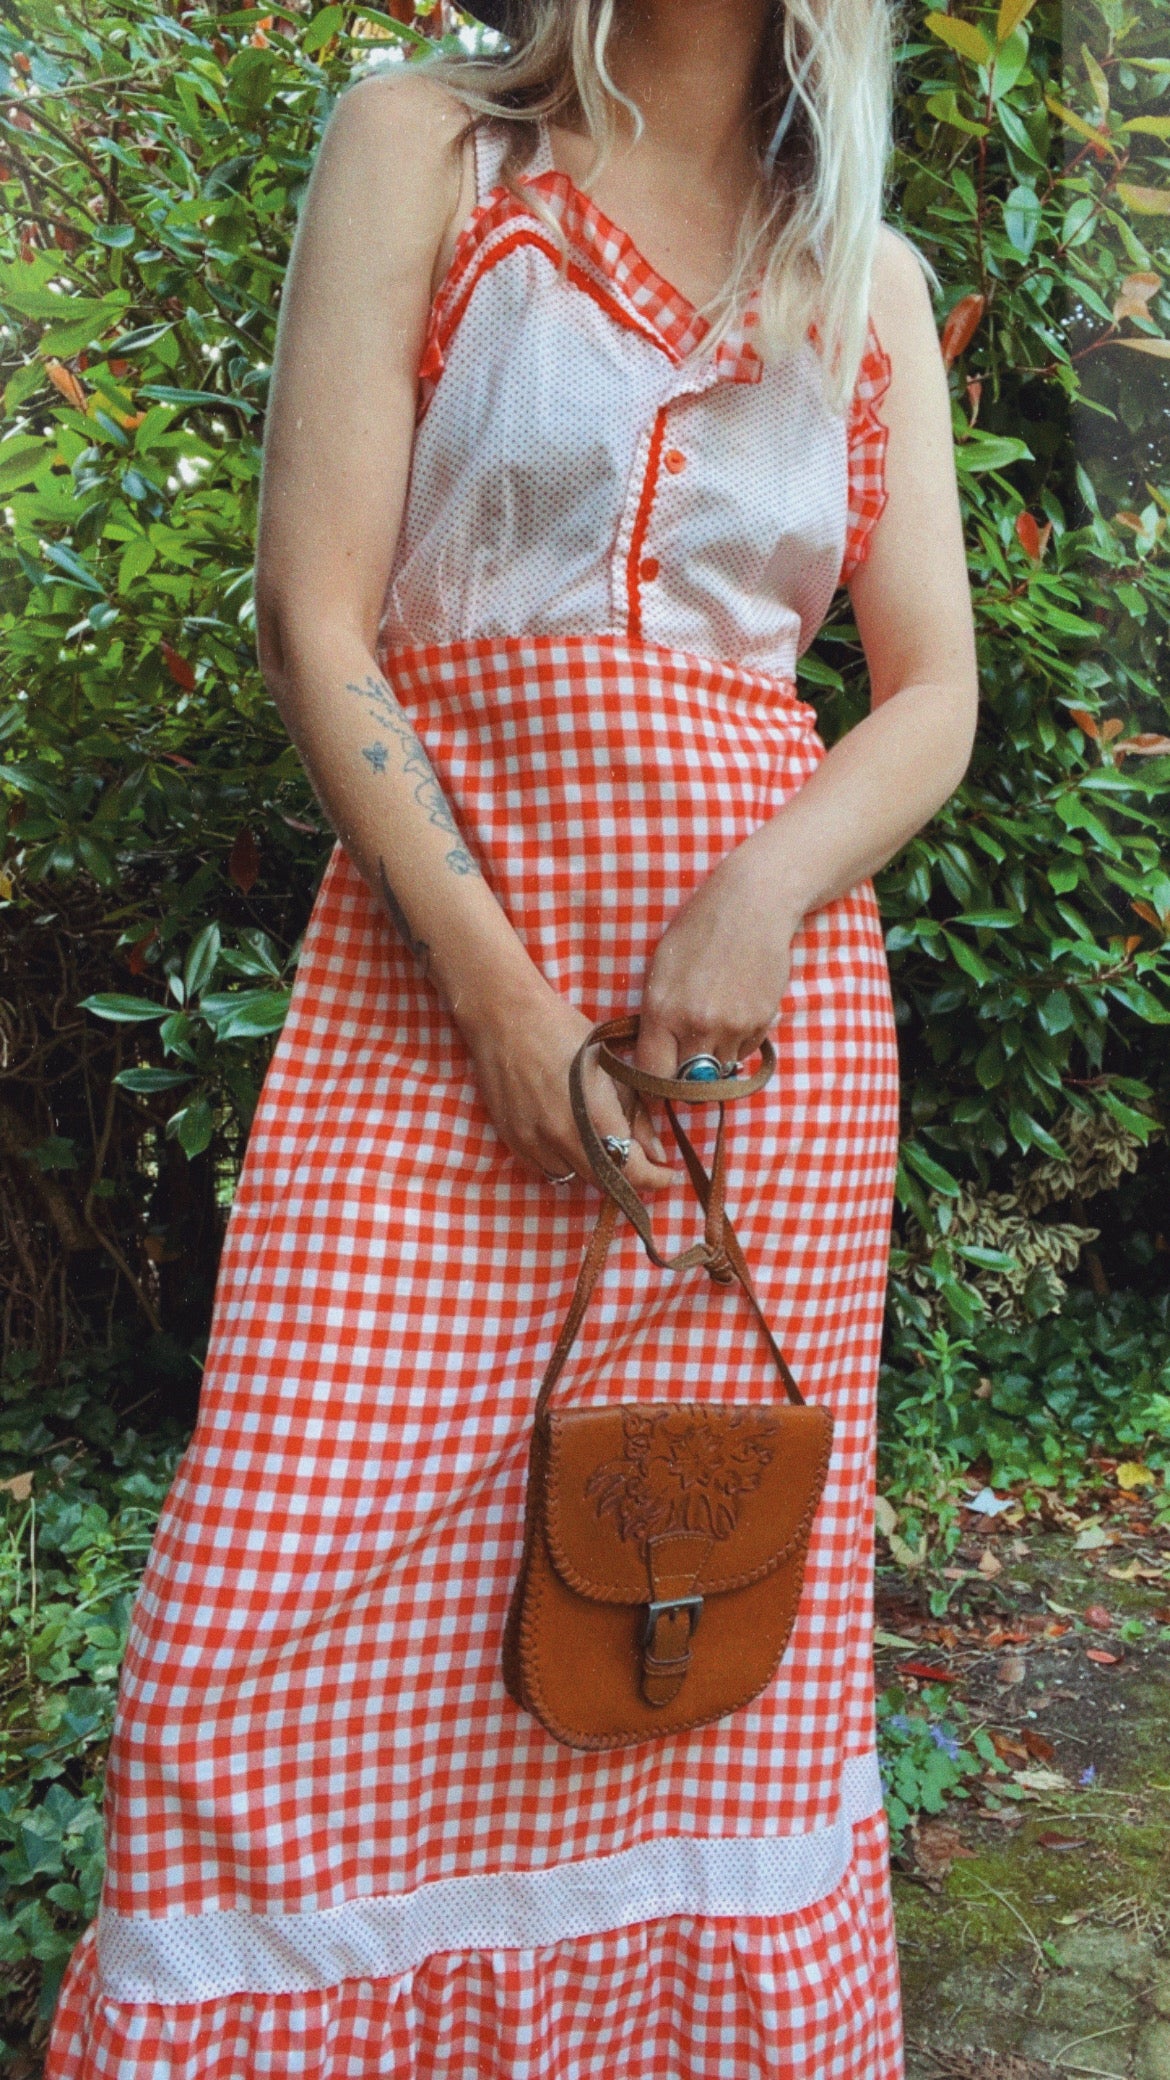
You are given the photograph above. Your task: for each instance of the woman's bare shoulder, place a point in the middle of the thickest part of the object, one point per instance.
(395, 132)
(900, 297)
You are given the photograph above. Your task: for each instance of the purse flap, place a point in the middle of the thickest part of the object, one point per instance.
(737, 1484)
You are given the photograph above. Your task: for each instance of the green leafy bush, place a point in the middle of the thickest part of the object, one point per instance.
(152, 155)
(927, 1751)
(72, 1543)
(1028, 1402)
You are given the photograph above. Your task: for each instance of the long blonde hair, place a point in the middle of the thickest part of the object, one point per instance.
(809, 232)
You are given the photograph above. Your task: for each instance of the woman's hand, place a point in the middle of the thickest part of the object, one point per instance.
(521, 1054)
(720, 970)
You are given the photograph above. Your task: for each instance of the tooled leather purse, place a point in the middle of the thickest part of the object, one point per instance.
(664, 1542)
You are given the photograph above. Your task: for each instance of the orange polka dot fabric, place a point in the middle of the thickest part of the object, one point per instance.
(336, 1847)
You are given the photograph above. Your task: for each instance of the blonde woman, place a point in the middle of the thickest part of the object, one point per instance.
(597, 375)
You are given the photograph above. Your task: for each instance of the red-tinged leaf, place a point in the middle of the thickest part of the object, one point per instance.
(64, 380)
(1033, 538)
(1149, 915)
(1111, 729)
(1028, 535)
(961, 327)
(974, 395)
(1147, 745)
(1098, 1616)
(175, 758)
(244, 861)
(926, 1672)
(1162, 1615)
(1099, 1655)
(29, 241)
(1051, 1840)
(1057, 1629)
(297, 823)
(1086, 722)
(136, 958)
(1131, 945)
(180, 670)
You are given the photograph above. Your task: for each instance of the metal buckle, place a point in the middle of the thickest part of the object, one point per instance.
(693, 1605)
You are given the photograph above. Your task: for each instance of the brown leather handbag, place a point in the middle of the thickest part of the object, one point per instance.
(664, 1542)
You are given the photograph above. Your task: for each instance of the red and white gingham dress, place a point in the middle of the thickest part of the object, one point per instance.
(336, 1847)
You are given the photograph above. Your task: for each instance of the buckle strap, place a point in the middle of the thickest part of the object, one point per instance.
(674, 1562)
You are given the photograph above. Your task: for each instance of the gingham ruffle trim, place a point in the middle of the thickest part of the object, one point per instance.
(868, 437)
(196, 1957)
(602, 260)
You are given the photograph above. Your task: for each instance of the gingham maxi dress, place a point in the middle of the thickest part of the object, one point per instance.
(336, 1846)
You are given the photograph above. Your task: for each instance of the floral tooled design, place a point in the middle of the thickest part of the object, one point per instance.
(683, 1469)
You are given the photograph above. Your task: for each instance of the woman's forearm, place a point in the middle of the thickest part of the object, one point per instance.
(382, 796)
(871, 793)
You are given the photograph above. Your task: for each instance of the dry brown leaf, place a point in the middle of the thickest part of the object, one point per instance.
(1134, 295)
(937, 1845)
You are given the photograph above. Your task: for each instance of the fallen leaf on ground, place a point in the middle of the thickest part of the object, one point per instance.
(1052, 1840)
(1132, 1474)
(926, 1672)
(1090, 1539)
(1012, 1669)
(1001, 1637)
(886, 1516)
(1039, 1780)
(1097, 1615)
(988, 1564)
(19, 1486)
(1040, 1749)
(988, 1504)
(1098, 1654)
(937, 1845)
(1057, 1629)
(1162, 1615)
(1008, 1749)
(891, 1639)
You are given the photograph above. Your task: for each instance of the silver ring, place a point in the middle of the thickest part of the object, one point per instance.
(700, 1068)
(566, 1179)
(618, 1148)
(730, 1069)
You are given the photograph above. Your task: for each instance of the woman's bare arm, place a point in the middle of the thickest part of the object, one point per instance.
(719, 972)
(387, 191)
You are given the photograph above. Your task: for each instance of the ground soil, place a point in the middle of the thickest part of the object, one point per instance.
(1034, 1927)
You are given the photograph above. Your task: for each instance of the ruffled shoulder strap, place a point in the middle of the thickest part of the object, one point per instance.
(868, 437)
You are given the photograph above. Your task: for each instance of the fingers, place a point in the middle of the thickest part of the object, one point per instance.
(646, 1166)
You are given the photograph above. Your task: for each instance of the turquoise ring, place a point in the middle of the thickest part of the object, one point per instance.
(700, 1068)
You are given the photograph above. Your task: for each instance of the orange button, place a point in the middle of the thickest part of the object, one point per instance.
(674, 460)
(648, 569)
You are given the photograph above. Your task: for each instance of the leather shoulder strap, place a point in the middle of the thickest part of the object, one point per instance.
(719, 1252)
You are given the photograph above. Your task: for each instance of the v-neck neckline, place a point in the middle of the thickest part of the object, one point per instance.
(545, 163)
(623, 257)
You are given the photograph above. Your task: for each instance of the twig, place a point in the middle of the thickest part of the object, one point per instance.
(1114, 2030)
(1029, 1931)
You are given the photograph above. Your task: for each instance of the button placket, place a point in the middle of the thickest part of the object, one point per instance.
(634, 562)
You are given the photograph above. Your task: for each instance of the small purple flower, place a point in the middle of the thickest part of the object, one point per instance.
(898, 1722)
(945, 1741)
(1088, 1776)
